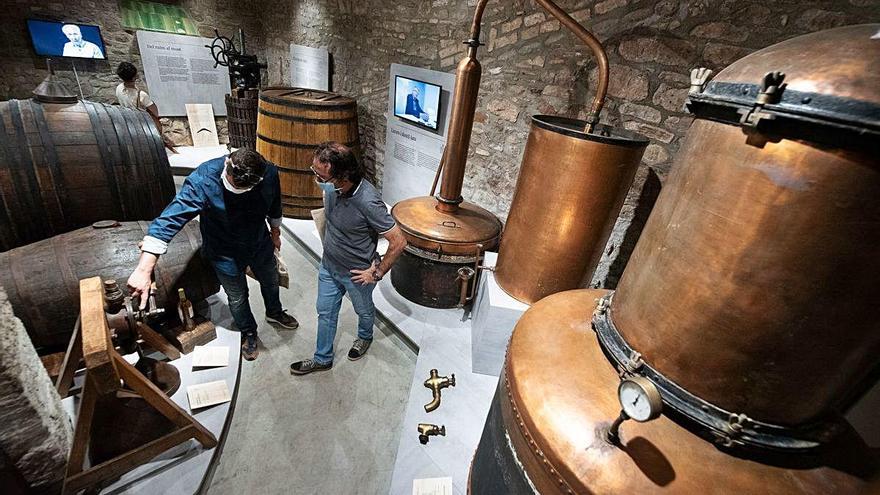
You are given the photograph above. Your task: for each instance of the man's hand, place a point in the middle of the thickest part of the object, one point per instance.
(276, 237)
(140, 280)
(364, 277)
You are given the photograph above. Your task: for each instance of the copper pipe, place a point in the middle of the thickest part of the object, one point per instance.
(598, 52)
(467, 85)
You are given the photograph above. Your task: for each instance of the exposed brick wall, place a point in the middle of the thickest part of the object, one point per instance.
(533, 65)
(23, 70)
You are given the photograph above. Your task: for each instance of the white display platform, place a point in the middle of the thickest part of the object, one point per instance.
(443, 341)
(188, 158)
(495, 315)
(186, 469)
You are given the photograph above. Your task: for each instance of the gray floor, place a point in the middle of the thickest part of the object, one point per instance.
(330, 432)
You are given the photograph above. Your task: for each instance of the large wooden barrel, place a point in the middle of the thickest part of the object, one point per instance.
(66, 165)
(291, 123)
(241, 118)
(42, 279)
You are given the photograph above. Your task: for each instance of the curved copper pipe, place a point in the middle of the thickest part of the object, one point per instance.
(587, 37)
(598, 51)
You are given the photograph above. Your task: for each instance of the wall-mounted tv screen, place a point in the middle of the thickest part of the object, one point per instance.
(66, 39)
(417, 101)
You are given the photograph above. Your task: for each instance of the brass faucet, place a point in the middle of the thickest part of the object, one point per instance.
(428, 430)
(437, 383)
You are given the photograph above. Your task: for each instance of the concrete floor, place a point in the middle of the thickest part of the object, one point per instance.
(330, 432)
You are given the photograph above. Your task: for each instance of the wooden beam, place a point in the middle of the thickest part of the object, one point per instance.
(157, 341)
(96, 344)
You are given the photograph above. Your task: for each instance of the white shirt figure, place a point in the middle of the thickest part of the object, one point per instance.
(133, 97)
(77, 46)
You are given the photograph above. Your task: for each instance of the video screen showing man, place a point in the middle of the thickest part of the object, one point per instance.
(413, 107)
(77, 46)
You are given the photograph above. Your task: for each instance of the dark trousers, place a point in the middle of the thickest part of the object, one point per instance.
(234, 281)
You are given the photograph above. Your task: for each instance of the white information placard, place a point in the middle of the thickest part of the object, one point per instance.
(309, 67)
(179, 70)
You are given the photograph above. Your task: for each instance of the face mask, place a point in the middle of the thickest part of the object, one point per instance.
(230, 187)
(328, 187)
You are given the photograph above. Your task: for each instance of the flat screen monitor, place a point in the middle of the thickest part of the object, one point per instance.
(417, 101)
(66, 39)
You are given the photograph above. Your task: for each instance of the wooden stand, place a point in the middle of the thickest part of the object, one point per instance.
(106, 371)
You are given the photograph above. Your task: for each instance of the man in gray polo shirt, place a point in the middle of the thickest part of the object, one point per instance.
(355, 218)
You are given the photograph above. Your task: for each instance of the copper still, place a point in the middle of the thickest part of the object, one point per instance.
(748, 303)
(562, 214)
(447, 235)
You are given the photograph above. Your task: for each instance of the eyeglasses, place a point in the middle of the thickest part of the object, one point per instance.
(242, 178)
(318, 176)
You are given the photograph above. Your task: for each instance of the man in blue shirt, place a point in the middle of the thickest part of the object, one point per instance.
(355, 218)
(234, 197)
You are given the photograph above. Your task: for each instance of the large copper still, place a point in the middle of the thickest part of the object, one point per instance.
(446, 234)
(749, 303)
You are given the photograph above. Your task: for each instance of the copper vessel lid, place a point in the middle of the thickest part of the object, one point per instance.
(304, 98)
(819, 87)
(601, 133)
(54, 91)
(419, 218)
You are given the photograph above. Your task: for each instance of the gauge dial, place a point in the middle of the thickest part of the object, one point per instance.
(639, 398)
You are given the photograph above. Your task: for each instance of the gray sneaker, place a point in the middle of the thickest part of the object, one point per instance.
(307, 366)
(358, 349)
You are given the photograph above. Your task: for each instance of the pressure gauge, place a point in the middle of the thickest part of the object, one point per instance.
(639, 398)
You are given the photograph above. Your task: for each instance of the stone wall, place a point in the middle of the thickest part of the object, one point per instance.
(23, 70)
(532, 65)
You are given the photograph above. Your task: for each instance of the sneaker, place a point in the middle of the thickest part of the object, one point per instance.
(249, 346)
(358, 349)
(284, 320)
(307, 366)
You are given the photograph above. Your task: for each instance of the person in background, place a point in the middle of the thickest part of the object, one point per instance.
(130, 96)
(413, 107)
(234, 198)
(77, 46)
(355, 218)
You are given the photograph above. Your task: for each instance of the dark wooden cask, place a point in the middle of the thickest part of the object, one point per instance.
(241, 118)
(66, 165)
(42, 279)
(291, 123)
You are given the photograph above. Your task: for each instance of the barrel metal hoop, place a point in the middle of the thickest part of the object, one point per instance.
(52, 162)
(305, 146)
(727, 428)
(800, 115)
(313, 106)
(310, 120)
(104, 151)
(26, 165)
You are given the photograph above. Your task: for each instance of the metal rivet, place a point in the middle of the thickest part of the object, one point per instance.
(745, 91)
(806, 100)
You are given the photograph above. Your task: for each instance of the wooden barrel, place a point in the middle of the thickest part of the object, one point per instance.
(66, 165)
(291, 123)
(42, 279)
(241, 118)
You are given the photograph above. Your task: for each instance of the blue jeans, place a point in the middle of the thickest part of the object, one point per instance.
(331, 288)
(234, 281)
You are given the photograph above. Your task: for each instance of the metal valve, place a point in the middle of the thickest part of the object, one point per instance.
(437, 383)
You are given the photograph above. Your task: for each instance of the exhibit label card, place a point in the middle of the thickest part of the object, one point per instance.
(208, 394)
(309, 67)
(432, 486)
(202, 125)
(210, 356)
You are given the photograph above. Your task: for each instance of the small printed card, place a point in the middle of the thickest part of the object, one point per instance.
(432, 486)
(207, 394)
(210, 356)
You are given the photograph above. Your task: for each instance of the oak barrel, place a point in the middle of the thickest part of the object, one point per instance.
(291, 123)
(66, 165)
(42, 279)
(241, 118)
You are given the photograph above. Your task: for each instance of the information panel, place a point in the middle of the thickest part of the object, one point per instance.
(309, 67)
(180, 70)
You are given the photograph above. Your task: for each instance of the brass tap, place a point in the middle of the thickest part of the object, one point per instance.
(428, 430)
(437, 383)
